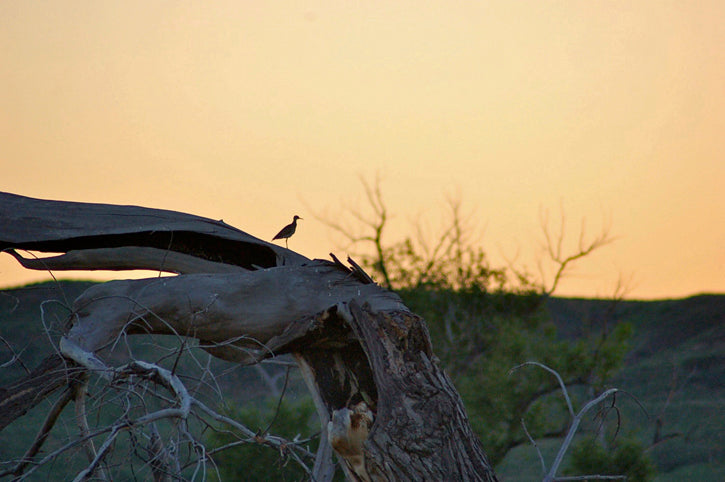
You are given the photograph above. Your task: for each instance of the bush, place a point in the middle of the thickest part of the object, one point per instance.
(626, 457)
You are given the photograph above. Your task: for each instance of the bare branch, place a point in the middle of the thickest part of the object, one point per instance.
(576, 420)
(554, 247)
(591, 477)
(102, 452)
(279, 443)
(536, 446)
(14, 358)
(572, 431)
(79, 395)
(43, 433)
(564, 391)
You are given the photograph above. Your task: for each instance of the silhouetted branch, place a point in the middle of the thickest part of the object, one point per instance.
(551, 476)
(554, 246)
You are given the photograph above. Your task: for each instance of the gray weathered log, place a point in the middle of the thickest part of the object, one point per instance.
(60, 227)
(125, 258)
(245, 300)
(233, 315)
(354, 353)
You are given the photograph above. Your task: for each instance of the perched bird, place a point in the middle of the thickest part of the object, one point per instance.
(288, 230)
(347, 431)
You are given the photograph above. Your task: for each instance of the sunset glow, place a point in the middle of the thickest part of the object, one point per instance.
(612, 112)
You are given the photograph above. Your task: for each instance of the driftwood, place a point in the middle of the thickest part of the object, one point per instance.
(389, 410)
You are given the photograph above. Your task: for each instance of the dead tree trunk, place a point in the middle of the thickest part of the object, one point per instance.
(386, 407)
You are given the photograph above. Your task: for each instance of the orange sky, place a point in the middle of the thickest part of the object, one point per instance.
(254, 111)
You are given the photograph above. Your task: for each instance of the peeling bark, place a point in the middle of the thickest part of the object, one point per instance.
(384, 358)
(18, 398)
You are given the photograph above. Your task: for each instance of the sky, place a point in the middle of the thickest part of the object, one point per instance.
(612, 113)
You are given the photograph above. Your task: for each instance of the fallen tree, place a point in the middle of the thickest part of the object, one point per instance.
(386, 407)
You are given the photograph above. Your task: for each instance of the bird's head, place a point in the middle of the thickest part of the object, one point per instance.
(295, 218)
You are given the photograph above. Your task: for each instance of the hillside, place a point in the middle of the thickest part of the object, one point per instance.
(675, 369)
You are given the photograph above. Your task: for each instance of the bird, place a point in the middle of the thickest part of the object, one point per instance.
(347, 432)
(288, 230)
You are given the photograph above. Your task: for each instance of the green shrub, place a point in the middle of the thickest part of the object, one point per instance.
(625, 457)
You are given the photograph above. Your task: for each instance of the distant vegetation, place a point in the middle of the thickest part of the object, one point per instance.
(667, 357)
(674, 366)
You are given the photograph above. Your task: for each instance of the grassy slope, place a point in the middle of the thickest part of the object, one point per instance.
(675, 369)
(684, 339)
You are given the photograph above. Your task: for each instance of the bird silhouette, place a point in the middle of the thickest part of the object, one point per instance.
(288, 230)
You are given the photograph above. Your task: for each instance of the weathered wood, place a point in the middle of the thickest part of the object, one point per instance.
(17, 398)
(421, 430)
(62, 226)
(354, 354)
(233, 315)
(125, 258)
(392, 412)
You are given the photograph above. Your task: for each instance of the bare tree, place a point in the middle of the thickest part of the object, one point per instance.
(557, 253)
(376, 222)
(452, 261)
(389, 410)
(550, 475)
